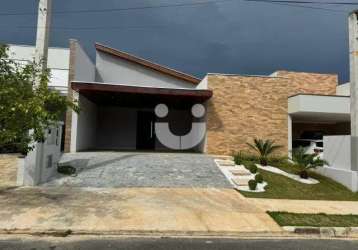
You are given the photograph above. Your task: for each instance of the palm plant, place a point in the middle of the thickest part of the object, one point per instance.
(264, 148)
(306, 161)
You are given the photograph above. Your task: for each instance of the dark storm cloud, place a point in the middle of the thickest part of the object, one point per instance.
(226, 37)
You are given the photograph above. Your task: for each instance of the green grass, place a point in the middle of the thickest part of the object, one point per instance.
(281, 187)
(314, 220)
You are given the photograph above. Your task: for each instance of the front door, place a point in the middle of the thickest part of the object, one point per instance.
(145, 130)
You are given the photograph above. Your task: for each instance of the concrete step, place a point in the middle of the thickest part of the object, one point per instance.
(223, 157)
(226, 163)
(240, 172)
(241, 181)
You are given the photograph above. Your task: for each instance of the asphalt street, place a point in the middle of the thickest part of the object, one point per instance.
(104, 243)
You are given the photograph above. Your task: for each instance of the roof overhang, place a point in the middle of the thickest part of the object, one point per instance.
(94, 89)
(319, 108)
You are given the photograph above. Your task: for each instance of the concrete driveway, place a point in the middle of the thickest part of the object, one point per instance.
(135, 169)
(173, 211)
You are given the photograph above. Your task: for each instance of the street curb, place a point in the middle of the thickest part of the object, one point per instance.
(153, 233)
(288, 232)
(332, 232)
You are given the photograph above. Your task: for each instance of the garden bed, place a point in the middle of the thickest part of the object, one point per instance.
(281, 187)
(289, 175)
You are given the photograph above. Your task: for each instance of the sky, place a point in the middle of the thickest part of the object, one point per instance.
(223, 36)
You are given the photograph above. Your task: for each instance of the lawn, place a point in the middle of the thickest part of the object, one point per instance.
(314, 220)
(280, 187)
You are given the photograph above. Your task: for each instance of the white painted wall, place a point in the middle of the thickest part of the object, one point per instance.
(114, 70)
(58, 63)
(343, 89)
(85, 69)
(337, 151)
(319, 104)
(40, 164)
(86, 125)
(203, 83)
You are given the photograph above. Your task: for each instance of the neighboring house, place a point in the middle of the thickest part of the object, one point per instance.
(58, 63)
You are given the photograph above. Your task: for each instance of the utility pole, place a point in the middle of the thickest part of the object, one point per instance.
(43, 33)
(353, 54)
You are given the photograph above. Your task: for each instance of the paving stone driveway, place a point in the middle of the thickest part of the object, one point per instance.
(120, 169)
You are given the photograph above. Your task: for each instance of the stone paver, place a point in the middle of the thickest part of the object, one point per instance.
(121, 169)
(307, 206)
(8, 169)
(131, 210)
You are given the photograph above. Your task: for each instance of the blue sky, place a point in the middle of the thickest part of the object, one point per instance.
(223, 37)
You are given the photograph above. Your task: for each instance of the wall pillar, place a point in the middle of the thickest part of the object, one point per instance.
(71, 77)
(74, 121)
(353, 53)
(289, 135)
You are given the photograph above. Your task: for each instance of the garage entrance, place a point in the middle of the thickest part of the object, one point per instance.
(311, 117)
(120, 117)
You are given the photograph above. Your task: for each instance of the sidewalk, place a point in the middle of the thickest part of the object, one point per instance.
(177, 211)
(8, 169)
(307, 206)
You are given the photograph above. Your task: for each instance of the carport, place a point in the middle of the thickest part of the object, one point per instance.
(121, 117)
(317, 114)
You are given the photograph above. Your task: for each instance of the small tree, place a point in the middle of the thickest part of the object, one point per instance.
(26, 106)
(306, 161)
(264, 148)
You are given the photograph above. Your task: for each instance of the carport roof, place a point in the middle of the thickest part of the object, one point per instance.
(327, 108)
(96, 87)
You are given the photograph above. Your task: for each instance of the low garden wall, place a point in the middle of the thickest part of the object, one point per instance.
(337, 151)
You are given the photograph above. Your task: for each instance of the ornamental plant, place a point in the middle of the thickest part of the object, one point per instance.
(252, 168)
(264, 148)
(252, 184)
(259, 178)
(27, 106)
(306, 161)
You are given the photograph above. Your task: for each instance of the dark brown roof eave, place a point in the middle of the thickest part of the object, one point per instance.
(204, 94)
(146, 63)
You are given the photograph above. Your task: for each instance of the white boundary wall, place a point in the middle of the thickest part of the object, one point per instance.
(40, 164)
(337, 151)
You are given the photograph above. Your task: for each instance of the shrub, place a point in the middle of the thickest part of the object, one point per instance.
(26, 106)
(306, 161)
(259, 178)
(66, 169)
(275, 160)
(242, 158)
(264, 148)
(253, 168)
(304, 174)
(252, 184)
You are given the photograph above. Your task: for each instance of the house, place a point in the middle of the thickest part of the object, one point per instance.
(119, 92)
